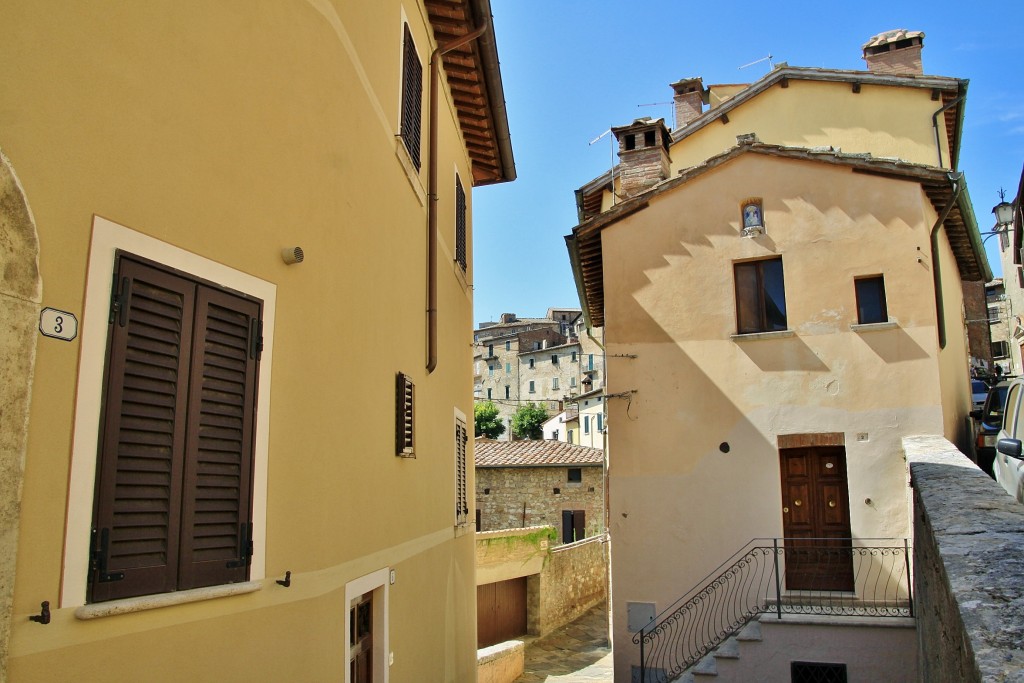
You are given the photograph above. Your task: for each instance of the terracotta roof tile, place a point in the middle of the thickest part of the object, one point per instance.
(534, 453)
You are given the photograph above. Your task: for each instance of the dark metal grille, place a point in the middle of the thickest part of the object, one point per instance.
(813, 672)
(754, 582)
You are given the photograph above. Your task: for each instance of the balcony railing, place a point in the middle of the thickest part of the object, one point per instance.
(827, 577)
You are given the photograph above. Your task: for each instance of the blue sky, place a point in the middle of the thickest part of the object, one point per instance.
(571, 70)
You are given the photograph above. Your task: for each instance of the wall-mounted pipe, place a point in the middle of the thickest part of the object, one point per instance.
(435, 58)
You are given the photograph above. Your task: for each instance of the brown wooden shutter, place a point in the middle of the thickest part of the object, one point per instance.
(174, 481)
(138, 487)
(412, 93)
(404, 417)
(216, 534)
(461, 494)
(460, 223)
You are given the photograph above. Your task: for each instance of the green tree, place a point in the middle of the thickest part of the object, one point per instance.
(528, 420)
(486, 421)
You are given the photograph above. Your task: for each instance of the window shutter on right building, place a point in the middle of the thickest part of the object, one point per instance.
(412, 95)
(404, 416)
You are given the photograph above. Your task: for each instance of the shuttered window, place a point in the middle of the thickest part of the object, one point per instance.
(461, 493)
(412, 95)
(460, 228)
(174, 487)
(404, 405)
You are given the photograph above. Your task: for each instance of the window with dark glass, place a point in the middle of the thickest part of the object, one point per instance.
(575, 475)
(412, 95)
(760, 296)
(871, 300)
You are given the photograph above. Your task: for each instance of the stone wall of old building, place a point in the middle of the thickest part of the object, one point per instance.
(978, 335)
(515, 497)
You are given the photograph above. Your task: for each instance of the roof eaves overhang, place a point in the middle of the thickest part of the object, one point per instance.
(935, 83)
(474, 82)
(584, 243)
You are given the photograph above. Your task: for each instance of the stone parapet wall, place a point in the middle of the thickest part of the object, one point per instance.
(574, 580)
(968, 568)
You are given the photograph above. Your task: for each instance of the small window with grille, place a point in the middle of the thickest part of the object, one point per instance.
(816, 672)
(404, 404)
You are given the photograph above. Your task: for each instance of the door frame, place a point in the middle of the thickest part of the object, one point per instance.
(822, 451)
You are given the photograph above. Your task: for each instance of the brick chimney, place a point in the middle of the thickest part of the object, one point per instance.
(895, 52)
(689, 100)
(643, 155)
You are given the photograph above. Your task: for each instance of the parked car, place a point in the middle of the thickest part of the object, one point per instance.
(989, 420)
(1009, 465)
(979, 392)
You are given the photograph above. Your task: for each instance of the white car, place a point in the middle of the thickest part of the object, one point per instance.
(1009, 461)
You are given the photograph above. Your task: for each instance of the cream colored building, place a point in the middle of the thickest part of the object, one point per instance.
(792, 310)
(209, 470)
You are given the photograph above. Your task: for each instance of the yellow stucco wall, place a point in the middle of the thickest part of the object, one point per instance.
(230, 132)
(886, 121)
(678, 505)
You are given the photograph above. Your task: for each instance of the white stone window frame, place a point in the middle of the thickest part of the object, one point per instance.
(107, 238)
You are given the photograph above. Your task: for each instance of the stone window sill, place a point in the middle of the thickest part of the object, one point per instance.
(756, 336)
(890, 324)
(148, 602)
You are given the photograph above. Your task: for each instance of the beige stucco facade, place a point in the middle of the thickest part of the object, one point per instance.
(697, 413)
(207, 138)
(679, 505)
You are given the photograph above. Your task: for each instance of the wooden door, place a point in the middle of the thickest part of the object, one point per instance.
(360, 620)
(500, 611)
(816, 518)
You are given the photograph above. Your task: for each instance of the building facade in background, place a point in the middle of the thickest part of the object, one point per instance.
(220, 477)
(793, 310)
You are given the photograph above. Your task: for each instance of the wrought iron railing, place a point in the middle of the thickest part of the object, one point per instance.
(830, 577)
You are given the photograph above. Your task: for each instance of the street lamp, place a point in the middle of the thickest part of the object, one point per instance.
(1003, 211)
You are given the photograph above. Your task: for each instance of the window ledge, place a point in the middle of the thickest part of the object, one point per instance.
(890, 324)
(148, 602)
(755, 336)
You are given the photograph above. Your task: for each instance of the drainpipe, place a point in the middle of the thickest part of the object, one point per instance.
(435, 58)
(940, 313)
(935, 125)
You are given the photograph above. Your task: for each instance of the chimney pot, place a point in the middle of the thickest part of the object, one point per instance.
(643, 155)
(689, 100)
(896, 52)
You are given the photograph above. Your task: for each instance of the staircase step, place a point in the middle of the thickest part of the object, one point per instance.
(730, 649)
(752, 631)
(708, 666)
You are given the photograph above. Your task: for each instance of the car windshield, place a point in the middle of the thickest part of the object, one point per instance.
(978, 387)
(995, 401)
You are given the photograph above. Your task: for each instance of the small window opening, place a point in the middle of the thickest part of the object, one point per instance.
(649, 138)
(630, 142)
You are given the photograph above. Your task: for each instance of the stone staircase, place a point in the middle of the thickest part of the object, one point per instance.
(729, 650)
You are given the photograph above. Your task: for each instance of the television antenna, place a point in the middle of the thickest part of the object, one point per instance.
(768, 59)
(611, 148)
(661, 104)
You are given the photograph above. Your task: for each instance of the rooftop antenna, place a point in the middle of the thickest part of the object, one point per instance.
(768, 59)
(611, 168)
(661, 104)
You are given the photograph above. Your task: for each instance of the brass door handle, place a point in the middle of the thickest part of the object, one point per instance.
(786, 510)
(831, 503)
(797, 503)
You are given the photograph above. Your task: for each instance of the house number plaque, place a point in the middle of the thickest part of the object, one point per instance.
(58, 324)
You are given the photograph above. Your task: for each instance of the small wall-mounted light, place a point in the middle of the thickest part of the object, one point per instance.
(292, 255)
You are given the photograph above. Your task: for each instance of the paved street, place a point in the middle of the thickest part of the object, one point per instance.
(576, 653)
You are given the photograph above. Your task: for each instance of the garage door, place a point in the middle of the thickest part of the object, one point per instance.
(500, 611)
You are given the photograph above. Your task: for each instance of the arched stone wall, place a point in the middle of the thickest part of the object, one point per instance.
(20, 296)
